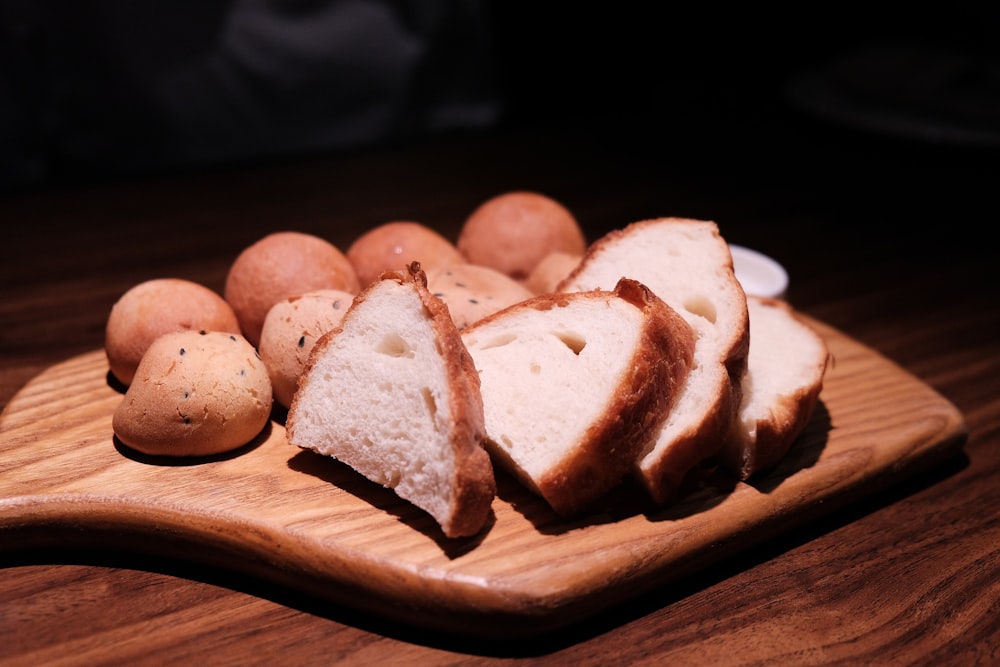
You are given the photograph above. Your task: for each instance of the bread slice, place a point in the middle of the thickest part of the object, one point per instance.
(688, 264)
(785, 371)
(393, 393)
(575, 385)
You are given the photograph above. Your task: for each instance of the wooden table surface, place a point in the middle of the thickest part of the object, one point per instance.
(885, 240)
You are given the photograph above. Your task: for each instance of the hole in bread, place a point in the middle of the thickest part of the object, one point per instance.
(535, 369)
(701, 306)
(429, 401)
(499, 341)
(393, 345)
(574, 342)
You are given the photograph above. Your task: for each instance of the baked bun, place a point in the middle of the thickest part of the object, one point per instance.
(785, 372)
(391, 246)
(290, 331)
(688, 264)
(575, 386)
(393, 394)
(195, 394)
(513, 231)
(551, 270)
(280, 265)
(155, 307)
(472, 292)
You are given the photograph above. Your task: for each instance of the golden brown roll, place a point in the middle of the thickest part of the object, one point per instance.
(290, 332)
(280, 265)
(472, 292)
(195, 394)
(513, 231)
(550, 271)
(393, 245)
(155, 307)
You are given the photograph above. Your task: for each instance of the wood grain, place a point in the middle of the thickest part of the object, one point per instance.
(310, 523)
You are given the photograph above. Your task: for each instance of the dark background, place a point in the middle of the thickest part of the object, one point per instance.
(78, 102)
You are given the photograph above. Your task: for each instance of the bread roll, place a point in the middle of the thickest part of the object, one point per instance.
(393, 245)
(155, 307)
(290, 331)
(280, 265)
(513, 231)
(550, 271)
(195, 393)
(472, 292)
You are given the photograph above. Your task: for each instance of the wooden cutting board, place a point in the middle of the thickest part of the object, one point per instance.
(311, 523)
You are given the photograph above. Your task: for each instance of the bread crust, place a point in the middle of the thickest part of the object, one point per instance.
(473, 486)
(639, 406)
(754, 448)
(630, 251)
(636, 407)
(662, 476)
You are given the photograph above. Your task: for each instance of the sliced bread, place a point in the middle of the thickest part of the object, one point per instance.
(686, 263)
(575, 385)
(781, 388)
(393, 393)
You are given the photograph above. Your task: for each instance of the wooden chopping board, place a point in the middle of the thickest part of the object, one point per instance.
(309, 522)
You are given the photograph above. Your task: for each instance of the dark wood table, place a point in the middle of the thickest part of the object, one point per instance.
(888, 241)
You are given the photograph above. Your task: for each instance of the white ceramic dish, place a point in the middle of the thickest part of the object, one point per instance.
(759, 274)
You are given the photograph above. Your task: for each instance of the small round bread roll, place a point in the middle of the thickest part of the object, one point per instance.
(472, 292)
(155, 307)
(195, 394)
(290, 331)
(393, 245)
(549, 272)
(512, 232)
(280, 265)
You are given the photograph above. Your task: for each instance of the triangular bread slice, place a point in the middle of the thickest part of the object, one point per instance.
(575, 385)
(393, 393)
(785, 371)
(687, 263)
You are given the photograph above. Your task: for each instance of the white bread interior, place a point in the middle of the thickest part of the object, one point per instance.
(687, 263)
(785, 371)
(393, 393)
(575, 385)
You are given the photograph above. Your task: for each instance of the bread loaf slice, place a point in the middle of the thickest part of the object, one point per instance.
(687, 263)
(575, 385)
(785, 371)
(393, 393)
